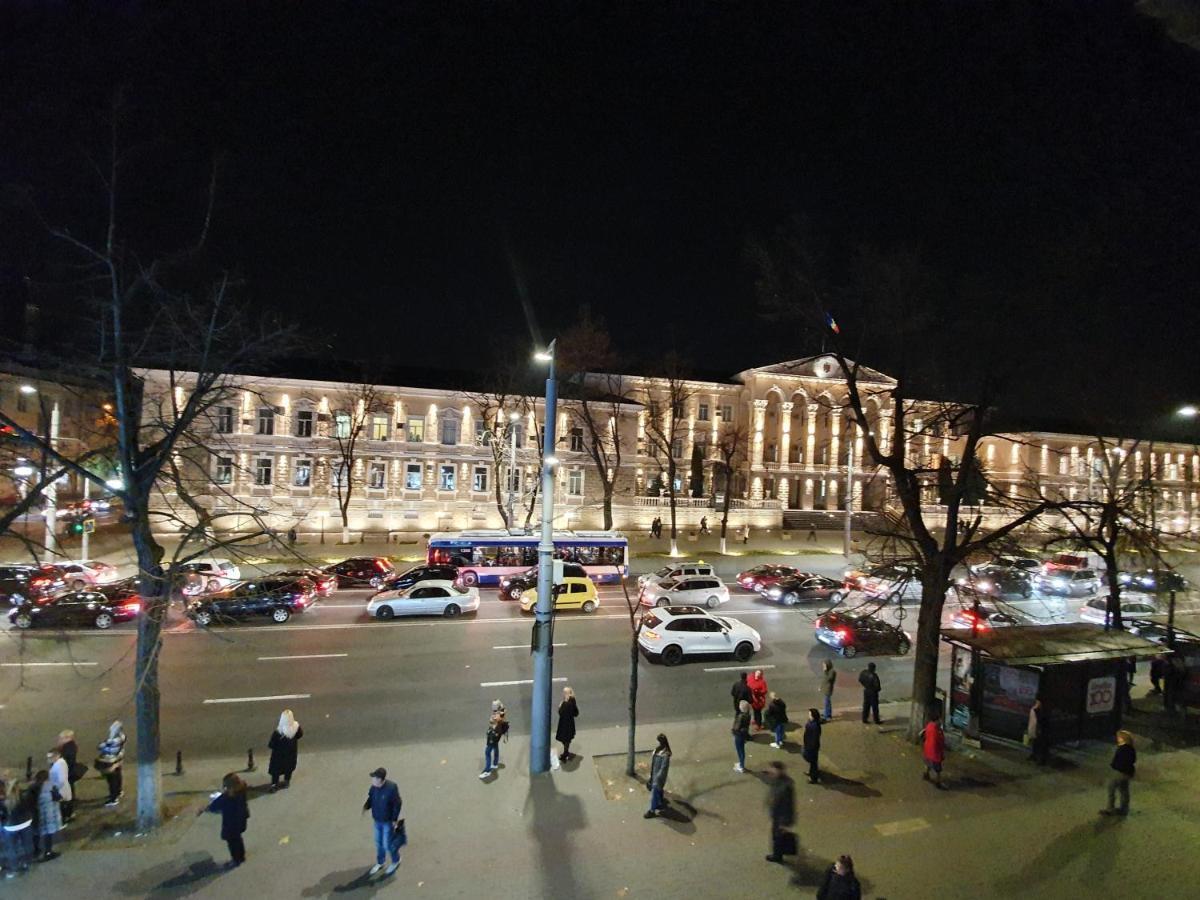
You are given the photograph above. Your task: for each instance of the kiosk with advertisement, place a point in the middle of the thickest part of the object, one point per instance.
(1076, 670)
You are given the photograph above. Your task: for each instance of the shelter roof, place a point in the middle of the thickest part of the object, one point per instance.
(1051, 644)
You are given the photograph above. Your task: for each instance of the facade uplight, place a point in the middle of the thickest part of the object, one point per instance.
(28, 389)
(552, 461)
(114, 484)
(23, 471)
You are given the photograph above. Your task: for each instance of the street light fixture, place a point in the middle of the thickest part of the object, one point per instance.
(543, 661)
(1188, 412)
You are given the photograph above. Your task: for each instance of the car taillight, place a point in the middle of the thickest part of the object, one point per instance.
(39, 582)
(132, 606)
(381, 565)
(652, 635)
(843, 633)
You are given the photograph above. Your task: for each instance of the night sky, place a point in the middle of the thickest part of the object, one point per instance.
(397, 175)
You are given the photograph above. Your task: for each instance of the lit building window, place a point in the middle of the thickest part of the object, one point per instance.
(412, 477)
(416, 429)
(266, 420)
(575, 482)
(262, 471)
(341, 425)
(379, 428)
(446, 479)
(377, 476)
(479, 479)
(302, 474)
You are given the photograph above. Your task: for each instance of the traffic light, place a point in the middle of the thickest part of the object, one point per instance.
(75, 527)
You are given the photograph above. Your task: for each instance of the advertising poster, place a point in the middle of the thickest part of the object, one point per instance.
(1008, 693)
(960, 688)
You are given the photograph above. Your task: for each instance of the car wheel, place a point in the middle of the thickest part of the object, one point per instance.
(78, 584)
(662, 601)
(24, 621)
(470, 579)
(279, 615)
(672, 656)
(104, 621)
(589, 606)
(514, 593)
(895, 597)
(849, 651)
(385, 612)
(16, 599)
(791, 599)
(903, 647)
(213, 585)
(835, 598)
(203, 618)
(743, 651)
(375, 582)
(712, 603)
(451, 610)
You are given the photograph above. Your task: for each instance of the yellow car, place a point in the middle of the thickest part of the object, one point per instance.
(575, 593)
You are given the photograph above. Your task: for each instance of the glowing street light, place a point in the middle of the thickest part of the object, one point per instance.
(1188, 412)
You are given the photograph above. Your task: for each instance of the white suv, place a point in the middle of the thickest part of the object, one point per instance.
(206, 574)
(675, 571)
(693, 590)
(673, 632)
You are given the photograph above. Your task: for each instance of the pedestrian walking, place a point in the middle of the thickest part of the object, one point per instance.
(740, 691)
(869, 679)
(383, 800)
(501, 712)
(48, 821)
(741, 734)
(1174, 677)
(18, 809)
(840, 882)
(1124, 764)
(757, 683)
(285, 746)
(491, 746)
(812, 746)
(69, 750)
(704, 524)
(781, 805)
(934, 752)
(660, 765)
(1039, 736)
(108, 763)
(746, 534)
(1158, 667)
(812, 535)
(828, 679)
(568, 710)
(230, 803)
(291, 537)
(776, 719)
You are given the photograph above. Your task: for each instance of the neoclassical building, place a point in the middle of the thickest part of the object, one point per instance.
(428, 459)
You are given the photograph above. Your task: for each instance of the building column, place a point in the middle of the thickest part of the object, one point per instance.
(885, 432)
(785, 434)
(756, 445)
(835, 427)
(856, 484)
(810, 442)
(807, 502)
(831, 493)
(782, 491)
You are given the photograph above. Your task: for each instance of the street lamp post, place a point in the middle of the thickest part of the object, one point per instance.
(543, 661)
(51, 493)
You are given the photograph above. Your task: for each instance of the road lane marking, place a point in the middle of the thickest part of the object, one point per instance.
(26, 664)
(739, 668)
(257, 699)
(903, 826)
(511, 683)
(520, 646)
(305, 656)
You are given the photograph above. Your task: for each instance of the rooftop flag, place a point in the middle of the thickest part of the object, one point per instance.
(833, 325)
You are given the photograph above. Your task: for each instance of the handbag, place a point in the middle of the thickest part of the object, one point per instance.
(788, 845)
(103, 765)
(399, 837)
(78, 771)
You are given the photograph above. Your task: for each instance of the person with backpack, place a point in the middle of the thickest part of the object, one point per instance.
(499, 710)
(491, 746)
(869, 680)
(48, 820)
(230, 803)
(781, 806)
(660, 765)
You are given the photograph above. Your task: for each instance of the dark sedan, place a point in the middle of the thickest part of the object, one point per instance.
(1003, 581)
(851, 633)
(19, 583)
(1153, 581)
(805, 587)
(513, 586)
(77, 608)
(275, 597)
(361, 571)
(420, 573)
(762, 577)
(324, 582)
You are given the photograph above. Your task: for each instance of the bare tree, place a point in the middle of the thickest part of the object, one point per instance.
(731, 455)
(665, 399)
(350, 428)
(503, 407)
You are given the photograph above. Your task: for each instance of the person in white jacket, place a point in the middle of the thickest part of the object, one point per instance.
(60, 776)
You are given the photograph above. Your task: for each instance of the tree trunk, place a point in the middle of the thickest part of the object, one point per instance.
(345, 534)
(1114, 591)
(926, 644)
(671, 496)
(156, 596)
(725, 506)
(608, 501)
(631, 745)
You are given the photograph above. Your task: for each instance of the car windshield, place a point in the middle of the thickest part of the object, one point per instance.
(665, 570)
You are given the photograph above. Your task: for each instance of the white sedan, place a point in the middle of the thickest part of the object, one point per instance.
(83, 573)
(672, 632)
(425, 598)
(1096, 609)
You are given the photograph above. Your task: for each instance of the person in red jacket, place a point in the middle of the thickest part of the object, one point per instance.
(758, 697)
(934, 752)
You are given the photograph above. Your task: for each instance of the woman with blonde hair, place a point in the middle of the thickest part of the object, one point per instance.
(1124, 764)
(565, 733)
(285, 746)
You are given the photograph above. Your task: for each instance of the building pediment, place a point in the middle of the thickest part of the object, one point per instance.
(823, 366)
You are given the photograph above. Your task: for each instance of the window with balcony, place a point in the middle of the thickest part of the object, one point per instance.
(479, 479)
(302, 473)
(223, 470)
(446, 478)
(223, 419)
(377, 475)
(304, 423)
(412, 477)
(262, 471)
(266, 420)
(416, 429)
(379, 428)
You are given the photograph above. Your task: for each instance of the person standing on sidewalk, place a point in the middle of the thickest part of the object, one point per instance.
(565, 732)
(812, 745)
(17, 819)
(69, 750)
(660, 765)
(491, 746)
(231, 803)
(285, 746)
(1039, 736)
(828, 678)
(740, 691)
(871, 686)
(840, 882)
(741, 734)
(934, 752)
(48, 821)
(704, 524)
(776, 719)
(1124, 764)
(112, 753)
(781, 804)
(758, 697)
(383, 800)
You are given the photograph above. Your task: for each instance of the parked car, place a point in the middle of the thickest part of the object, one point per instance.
(762, 577)
(435, 597)
(361, 571)
(1070, 582)
(806, 587)
(676, 571)
(1001, 581)
(984, 618)
(692, 590)
(86, 572)
(895, 582)
(673, 632)
(1028, 564)
(1153, 581)
(1096, 609)
(406, 579)
(75, 608)
(513, 586)
(573, 593)
(1155, 631)
(273, 596)
(851, 633)
(324, 583)
(19, 583)
(1065, 562)
(206, 574)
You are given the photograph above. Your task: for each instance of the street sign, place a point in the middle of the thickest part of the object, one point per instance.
(89, 526)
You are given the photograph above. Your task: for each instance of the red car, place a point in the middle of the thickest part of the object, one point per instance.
(324, 582)
(762, 577)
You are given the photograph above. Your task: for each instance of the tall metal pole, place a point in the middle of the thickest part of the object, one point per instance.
(51, 493)
(543, 662)
(87, 493)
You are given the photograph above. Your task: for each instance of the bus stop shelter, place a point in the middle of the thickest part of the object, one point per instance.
(1076, 670)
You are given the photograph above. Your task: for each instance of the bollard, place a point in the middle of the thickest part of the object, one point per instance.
(28, 767)
(178, 762)
(250, 760)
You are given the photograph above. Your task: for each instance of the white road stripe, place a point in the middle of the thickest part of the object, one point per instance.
(511, 683)
(520, 646)
(305, 656)
(739, 668)
(27, 664)
(256, 699)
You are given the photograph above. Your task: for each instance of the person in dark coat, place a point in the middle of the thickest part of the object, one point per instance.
(812, 745)
(741, 691)
(660, 766)
(285, 746)
(1158, 671)
(741, 734)
(781, 804)
(383, 800)
(869, 679)
(565, 733)
(18, 812)
(1124, 764)
(235, 813)
(840, 883)
(776, 719)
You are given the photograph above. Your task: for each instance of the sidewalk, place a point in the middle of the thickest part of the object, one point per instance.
(1004, 828)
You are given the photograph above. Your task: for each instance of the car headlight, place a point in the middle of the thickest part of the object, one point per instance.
(774, 592)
